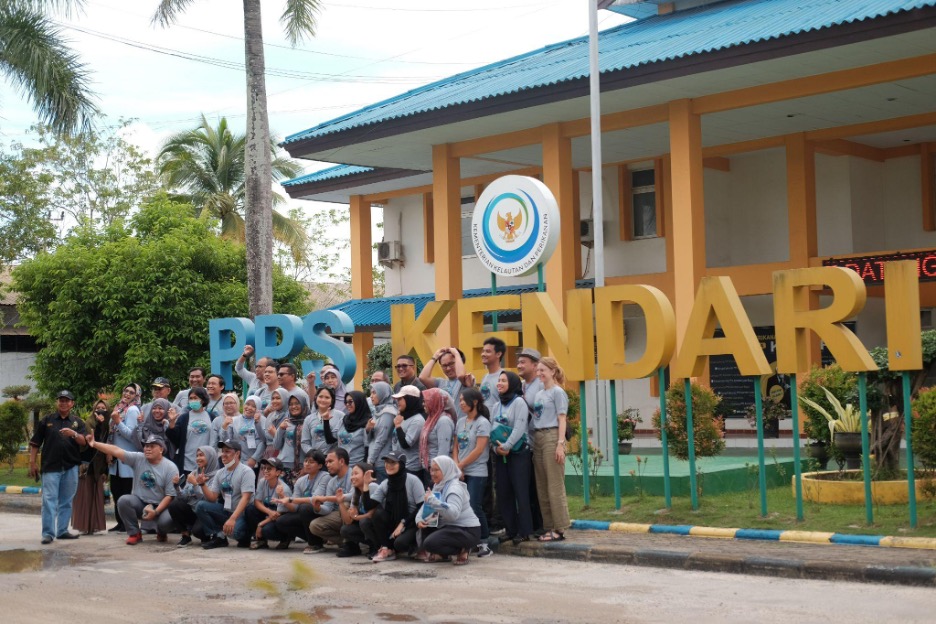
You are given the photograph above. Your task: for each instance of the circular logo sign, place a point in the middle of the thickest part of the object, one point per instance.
(515, 225)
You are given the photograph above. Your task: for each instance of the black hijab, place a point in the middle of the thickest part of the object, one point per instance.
(514, 388)
(357, 420)
(396, 502)
(414, 405)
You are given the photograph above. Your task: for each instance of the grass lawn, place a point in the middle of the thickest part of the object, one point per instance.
(17, 477)
(742, 510)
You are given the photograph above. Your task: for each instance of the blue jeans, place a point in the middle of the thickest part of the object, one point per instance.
(58, 491)
(476, 487)
(214, 515)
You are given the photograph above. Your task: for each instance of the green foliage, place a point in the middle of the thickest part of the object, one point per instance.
(133, 302)
(15, 392)
(13, 422)
(924, 428)
(627, 423)
(25, 229)
(840, 383)
(708, 428)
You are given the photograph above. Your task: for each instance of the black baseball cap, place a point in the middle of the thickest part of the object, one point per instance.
(272, 461)
(65, 394)
(234, 445)
(161, 382)
(396, 457)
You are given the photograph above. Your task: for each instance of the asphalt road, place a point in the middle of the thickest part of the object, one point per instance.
(99, 579)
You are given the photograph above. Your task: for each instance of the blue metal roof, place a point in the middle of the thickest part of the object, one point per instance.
(332, 173)
(664, 37)
(375, 313)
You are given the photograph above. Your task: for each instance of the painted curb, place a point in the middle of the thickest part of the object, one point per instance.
(20, 489)
(705, 562)
(809, 537)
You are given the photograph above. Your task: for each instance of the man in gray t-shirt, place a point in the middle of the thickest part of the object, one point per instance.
(153, 487)
(227, 495)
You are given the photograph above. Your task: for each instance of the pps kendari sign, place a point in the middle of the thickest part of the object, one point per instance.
(518, 226)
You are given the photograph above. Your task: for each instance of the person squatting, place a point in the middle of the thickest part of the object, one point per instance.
(432, 468)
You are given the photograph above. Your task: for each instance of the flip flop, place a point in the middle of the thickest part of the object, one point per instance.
(552, 536)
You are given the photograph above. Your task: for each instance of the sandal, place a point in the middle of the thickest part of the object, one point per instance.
(551, 536)
(434, 558)
(462, 558)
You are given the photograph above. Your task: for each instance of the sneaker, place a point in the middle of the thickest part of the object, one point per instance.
(372, 553)
(215, 542)
(498, 532)
(117, 529)
(67, 536)
(504, 538)
(284, 545)
(185, 541)
(348, 551)
(384, 554)
(135, 539)
(313, 550)
(46, 539)
(258, 545)
(162, 537)
(243, 543)
(484, 550)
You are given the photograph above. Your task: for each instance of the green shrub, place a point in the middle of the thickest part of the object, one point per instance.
(924, 427)
(13, 421)
(708, 428)
(843, 385)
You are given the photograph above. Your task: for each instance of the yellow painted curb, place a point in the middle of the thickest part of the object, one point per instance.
(629, 527)
(14, 489)
(927, 543)
(701, 531)
(811, 537)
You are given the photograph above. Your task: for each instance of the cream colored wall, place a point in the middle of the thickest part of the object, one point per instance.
(833, 206)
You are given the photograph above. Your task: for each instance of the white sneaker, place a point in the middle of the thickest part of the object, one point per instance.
(484, 550)
(384, 554)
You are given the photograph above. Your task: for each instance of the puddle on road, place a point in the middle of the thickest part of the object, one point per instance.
(20, 560)
(397, 617)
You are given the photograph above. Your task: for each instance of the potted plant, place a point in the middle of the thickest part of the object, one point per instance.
(842, 384)
(773, 412)
(708, 428)
(626, 425)
(844, 428)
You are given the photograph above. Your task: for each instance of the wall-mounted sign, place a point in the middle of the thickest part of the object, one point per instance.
(871, 268)
(515, 225)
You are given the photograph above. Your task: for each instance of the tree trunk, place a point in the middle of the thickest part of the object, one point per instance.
(258, 170)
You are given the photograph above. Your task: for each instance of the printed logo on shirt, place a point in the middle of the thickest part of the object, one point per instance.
(485, 392)
(344, 437)
(198, 427)
(148, 479)
(245, 430)
(538, 409)
(226, 487)
(290, 434)
(319, 432)
(462, 440)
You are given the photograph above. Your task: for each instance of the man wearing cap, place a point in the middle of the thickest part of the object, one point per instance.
(60, 436)
(254, 381)
(328, 525)
(227, 496)
(153, 487)
(452, 361)
(527, 359)
(264, 511)
(162, 388)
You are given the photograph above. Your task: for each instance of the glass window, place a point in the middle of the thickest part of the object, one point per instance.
(644, 203)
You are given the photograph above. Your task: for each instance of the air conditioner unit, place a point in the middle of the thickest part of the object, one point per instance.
(587, 232)
(389, 252)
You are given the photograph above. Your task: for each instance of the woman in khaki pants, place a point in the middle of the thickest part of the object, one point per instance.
(549, 426)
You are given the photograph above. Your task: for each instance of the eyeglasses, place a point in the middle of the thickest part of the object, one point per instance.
(281, 374)
(399, 366)
(349, 402)
(266, 467)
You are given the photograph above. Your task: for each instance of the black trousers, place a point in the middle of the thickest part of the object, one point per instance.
(120, 486)
(184, 517)
(513, 492)
(291, 525)
(378, 528)
(253, 517)
(449, 540)
(354, 535)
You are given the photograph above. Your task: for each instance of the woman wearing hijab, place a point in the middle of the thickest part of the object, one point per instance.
(88, 508)
(156, 423)
(392, 526)
(457, 529)
(122, 433)
(514, 462)
(438, 430)
(331, 377)
(351, 435)
(189, 494)
(276, 414)
(248, 430)
(191, 430)
(288, 432)
(380, 427)
(356, 510)
(313, 429)
(408, 425)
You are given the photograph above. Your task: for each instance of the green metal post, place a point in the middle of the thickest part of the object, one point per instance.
(614, 446)
(911, 484)
(797, 467)
(540, 282)
(690, 431)
(667, 495)
(583, 436)
(494, 292)
(761, 463)
(865, 445)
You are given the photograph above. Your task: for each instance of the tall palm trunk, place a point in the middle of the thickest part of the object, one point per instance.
(259, 174)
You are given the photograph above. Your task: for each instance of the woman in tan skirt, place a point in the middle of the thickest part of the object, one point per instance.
(88, 509)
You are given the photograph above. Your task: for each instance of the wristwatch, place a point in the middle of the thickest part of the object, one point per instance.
(289, 499)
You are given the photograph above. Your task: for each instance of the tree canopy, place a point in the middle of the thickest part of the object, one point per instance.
(132, 301)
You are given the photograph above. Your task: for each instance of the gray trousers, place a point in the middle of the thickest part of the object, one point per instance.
(130, 508)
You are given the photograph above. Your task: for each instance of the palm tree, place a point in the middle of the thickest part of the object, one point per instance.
(206, 166)
(298, 19)
(36, 60)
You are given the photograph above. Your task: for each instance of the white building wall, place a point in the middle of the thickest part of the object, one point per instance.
(833, 206)
(14, 369)
(901, 203)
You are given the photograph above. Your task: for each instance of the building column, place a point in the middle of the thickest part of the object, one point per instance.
(688, 200)
(362, 278)
(559, 177)
(446, 210)
(801, 218)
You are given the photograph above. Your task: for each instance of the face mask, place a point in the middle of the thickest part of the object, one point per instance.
(194, 405)
(101, 412)
(230, 465)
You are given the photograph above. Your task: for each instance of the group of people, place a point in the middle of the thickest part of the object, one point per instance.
(429, 467)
